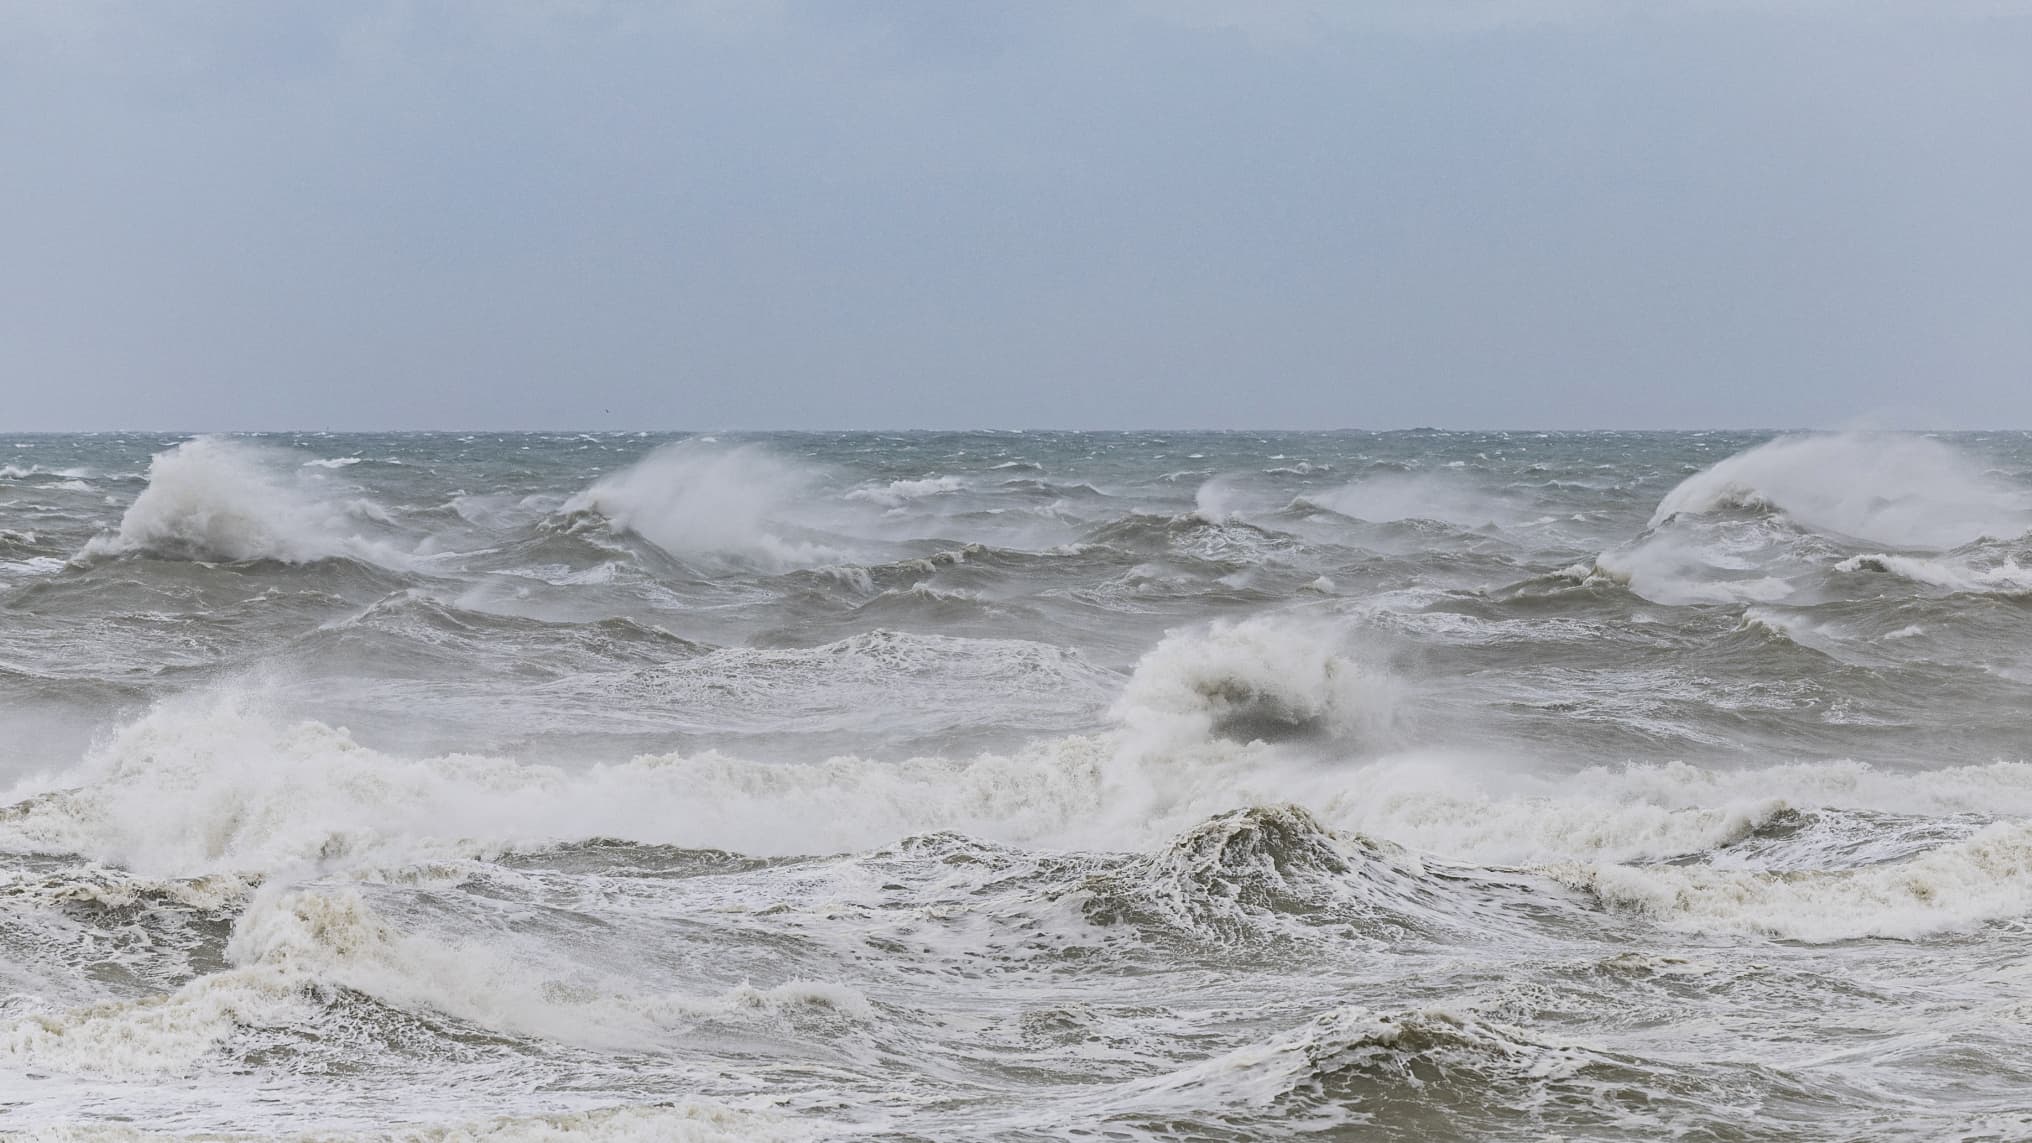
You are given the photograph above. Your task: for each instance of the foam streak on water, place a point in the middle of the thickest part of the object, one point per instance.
(1015, 786)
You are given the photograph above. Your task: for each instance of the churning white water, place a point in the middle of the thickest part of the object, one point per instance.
(1016, 786)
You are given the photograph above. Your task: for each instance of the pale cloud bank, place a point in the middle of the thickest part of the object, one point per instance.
(898, 214)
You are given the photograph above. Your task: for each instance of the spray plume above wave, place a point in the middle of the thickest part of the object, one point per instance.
(701, 500)
(1256, 680)
(1151, 786)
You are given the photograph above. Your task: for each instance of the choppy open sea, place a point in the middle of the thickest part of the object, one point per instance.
(1016, 786)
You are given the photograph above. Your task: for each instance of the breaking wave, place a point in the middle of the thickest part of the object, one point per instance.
(212, 498)
(2005, 576)
(896, 787)
(1887, 488)
(1768, 524)
(699, 500)
(218, 785)
(1257, 679)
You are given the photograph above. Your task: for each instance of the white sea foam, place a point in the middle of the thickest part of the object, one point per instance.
(696, 499)
(212, 498)
(690, 1121)
(1467, 810)
(897, 493)
(1985, 877)
(292, 949)
(1470, 810)
(33, 566)
(686, 1122)
(287, 948)
(1716, 568)
(1128, 924)
(2004, 577)
(217, 784)
(937, 682)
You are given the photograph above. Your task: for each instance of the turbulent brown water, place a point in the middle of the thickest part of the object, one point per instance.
(1016, 786)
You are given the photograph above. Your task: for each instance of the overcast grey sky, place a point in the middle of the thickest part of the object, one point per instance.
(1275, 213)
